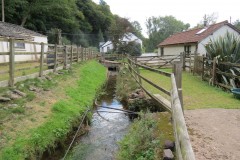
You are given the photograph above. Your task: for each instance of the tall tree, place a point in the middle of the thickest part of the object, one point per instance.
(237, 24)
(159, 28)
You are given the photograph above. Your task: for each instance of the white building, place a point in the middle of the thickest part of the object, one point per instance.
(128, 37)
(16, 32)
(194, 40)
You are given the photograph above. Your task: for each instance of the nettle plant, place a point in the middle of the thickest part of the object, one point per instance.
(226, 49)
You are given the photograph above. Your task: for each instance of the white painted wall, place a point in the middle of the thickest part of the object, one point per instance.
(220, 32)
(176, 49)
(106, 46)
(4, 47)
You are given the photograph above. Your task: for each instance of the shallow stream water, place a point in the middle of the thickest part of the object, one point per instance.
(107, 128)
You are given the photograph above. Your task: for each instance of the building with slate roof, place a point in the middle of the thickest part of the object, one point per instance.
(8, 31)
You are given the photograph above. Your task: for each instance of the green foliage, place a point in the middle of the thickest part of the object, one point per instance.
(73, 17)
(131, 48)
(125, 85)
(226, 48)
(237, 24)
(141, 143)
(91, 75)
(19, 110)
(159, 28)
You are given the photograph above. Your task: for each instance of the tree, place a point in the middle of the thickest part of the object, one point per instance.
(118, 29)
(159, 28)
(237, 24)
(137, 29)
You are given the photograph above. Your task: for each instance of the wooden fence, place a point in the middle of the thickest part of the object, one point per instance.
(225, 75)
(166, 61)
(183, 146)
(50, 59)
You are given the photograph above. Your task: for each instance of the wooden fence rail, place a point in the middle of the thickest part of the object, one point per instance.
(183, 146)
(51, 58)
(223, 74)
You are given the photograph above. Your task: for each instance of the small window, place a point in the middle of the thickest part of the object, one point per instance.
(162, 51)
(187, 49)
(19, 45)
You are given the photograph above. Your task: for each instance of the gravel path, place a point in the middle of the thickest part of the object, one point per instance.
(214, 133)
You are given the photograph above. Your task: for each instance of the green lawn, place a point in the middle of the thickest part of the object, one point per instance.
(196, 93)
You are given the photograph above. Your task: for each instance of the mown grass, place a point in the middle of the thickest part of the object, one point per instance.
(65, 112)
(196, 93)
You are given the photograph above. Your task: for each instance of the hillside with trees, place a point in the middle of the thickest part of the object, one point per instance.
(82, 22)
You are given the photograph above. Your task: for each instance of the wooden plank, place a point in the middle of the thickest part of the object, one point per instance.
(151, 69)
(227, 74)
(230, 64)
(163, 100)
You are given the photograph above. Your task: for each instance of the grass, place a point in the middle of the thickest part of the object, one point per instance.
(146, 137)
(65, 112)
(196, 93)
(23, 72)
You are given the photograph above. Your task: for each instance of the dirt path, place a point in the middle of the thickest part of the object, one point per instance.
(214, 133)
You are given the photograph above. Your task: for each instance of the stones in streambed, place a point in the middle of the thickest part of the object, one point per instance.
(167, 154)
(168, 150)
(137, 94)
(169, 145)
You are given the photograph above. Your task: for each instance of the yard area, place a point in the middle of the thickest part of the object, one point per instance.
(197, 94)
(212, 116)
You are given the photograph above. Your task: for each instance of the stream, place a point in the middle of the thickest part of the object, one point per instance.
(107, 128)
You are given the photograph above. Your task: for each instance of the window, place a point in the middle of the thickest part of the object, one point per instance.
(162, 51)
(187, 48)
(19, 45)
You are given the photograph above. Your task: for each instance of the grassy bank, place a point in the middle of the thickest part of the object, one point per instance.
(63, 113)
(196, 93)
(146, 137)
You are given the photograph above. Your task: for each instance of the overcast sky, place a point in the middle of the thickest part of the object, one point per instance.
(188, 11)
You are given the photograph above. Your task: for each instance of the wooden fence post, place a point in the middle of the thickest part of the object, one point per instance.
(82, 51)
(184, 60)
(203, 67)
(41, 60)
(77, 54)
(177, 70)
(214, 71)
(65, 58)
(71, 56)
(138, 71)
(55, 58)
(11, 63)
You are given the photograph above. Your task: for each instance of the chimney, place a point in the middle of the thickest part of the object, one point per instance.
(205, 23)
(205, 20)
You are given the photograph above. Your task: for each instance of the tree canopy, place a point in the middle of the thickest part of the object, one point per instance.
(77, 19)
(159, 28)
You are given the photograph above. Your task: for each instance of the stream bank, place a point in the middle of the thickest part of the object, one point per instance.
(108, 126)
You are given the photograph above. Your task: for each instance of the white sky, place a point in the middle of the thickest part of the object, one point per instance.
(188, 11)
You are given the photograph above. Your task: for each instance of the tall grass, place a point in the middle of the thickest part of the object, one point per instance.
(65, 112)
